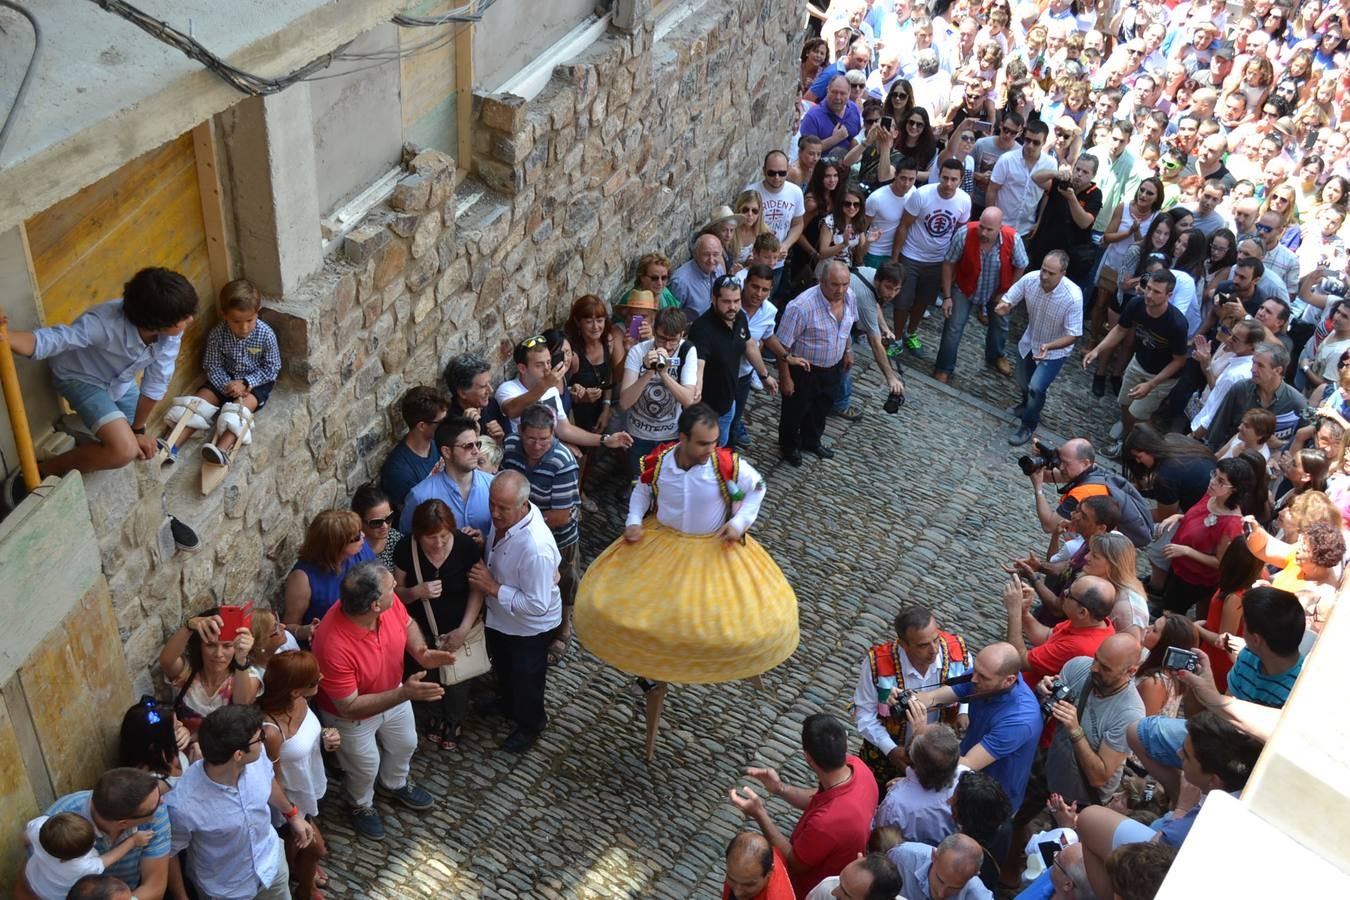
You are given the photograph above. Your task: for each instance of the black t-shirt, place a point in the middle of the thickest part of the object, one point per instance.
(1156, 340)
(1182, 481)
(722, 349)
(1259, 295)
(454, 577)
(1058, 229)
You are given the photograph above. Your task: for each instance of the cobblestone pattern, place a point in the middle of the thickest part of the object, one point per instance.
(923, 505)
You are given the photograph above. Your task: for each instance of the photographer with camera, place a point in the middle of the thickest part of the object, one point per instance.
(1094, 703)
(1073, 467)
(660, 379)
(1243, 294)
(1071, 207)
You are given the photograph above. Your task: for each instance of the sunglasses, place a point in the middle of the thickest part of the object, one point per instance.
(356, 539)
(386, 522)
(776, 173)
(749, 209)
(152, 707)
(899, 95)
(466, 445)
(915, 123)
(536, 341)
(850, 204)
(1263, 229)
(1011, 132)
(725, 281)
(866, 122)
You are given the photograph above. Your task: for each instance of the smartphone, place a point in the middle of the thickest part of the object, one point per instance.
(1247, 529)
(1049, 850)
(635, 325)
(886, 122)
(1176, 659)
(556, 359)
(982, 126)
(233, 618)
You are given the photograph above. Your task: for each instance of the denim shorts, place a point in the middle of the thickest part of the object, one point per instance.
(95, 406)
(1162, 737)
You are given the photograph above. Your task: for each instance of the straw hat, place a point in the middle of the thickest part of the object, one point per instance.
(721, 214)
(637, 299)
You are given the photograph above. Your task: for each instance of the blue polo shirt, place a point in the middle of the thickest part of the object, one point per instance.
(128, 868)
(820, 122)
(1008, 725)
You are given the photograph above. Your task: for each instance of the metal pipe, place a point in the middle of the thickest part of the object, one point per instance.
(18, 419)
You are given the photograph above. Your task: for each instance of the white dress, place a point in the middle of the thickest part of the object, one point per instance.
(301, 769)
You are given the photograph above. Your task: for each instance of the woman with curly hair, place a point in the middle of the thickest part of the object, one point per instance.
(815, 54)
(824, 192)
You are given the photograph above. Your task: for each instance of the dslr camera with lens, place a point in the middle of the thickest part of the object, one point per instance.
(1046, 457)
(1058, 691)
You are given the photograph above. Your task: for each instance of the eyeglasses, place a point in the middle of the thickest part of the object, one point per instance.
(386, 522)
(467, 445)
(665, 277)
(776, 173)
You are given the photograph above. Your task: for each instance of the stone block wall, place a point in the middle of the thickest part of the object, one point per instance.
(628, 148)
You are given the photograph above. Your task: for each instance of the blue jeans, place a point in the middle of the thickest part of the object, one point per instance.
(724, 426)
(1034, 378)
(738, 432)
(995, 335)
(843, 397)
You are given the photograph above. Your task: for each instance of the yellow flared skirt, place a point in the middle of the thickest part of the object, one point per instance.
(687, 608)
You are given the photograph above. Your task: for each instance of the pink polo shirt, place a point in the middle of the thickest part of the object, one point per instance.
(355, 660)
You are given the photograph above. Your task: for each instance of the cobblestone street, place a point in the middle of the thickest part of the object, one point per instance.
(922, 505)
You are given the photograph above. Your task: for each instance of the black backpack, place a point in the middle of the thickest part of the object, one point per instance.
(1136, 515)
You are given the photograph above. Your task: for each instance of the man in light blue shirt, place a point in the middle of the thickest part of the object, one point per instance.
(950, 871)
(220, 815)
(461, 484)
(692, 282)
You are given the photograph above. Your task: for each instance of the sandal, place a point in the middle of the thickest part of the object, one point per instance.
(449, 743)
(557, 651)
(320, 877)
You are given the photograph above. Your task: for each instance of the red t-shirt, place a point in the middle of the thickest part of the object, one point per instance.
(1065, 643)
(834, 828)
(355, 660)
(779, 886)
(1193, 532)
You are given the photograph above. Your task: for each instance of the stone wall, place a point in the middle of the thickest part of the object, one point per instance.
(628, 148)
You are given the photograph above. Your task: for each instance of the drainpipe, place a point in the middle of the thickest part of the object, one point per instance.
(18, 419)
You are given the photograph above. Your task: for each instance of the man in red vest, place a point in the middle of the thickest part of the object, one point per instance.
(984, 260)
(920, 658)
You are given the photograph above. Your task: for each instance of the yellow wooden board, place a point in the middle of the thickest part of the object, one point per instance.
(147, 213)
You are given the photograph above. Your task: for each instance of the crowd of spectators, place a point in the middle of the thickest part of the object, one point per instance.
(1160, 187)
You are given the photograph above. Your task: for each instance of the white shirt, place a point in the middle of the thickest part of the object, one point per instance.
(885, 208)
(1185, 298)
(227, 829)
(779, 209)
(936, 219)
(524, 562)
(865, 699)
(510, 390)
(761, 326)
(1018, 194)
(1049, 316)
(51, 877)
(1238, 369)
(691, 500)
(921, 814)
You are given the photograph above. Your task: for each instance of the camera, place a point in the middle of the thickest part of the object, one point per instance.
(1061, 184)
(1221, 297)
(1046, 457)
(661, 362)
(1176, 659)
(902, 702)
(1058, 691)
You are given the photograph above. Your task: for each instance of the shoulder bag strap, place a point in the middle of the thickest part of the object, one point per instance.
(1091, 795)
(426, 604)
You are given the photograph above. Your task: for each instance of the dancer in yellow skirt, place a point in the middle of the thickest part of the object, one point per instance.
(687, 595)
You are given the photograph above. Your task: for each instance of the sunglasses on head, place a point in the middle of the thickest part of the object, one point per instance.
(152, 707)
(531, 342)
(725, 281)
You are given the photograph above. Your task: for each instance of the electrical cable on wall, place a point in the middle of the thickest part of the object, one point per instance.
(257, 85)
(27, 72)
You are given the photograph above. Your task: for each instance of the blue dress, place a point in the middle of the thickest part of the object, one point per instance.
(324, 582)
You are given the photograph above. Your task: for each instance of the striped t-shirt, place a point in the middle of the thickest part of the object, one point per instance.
(1248, 680)
(554, 482)
(128, 868)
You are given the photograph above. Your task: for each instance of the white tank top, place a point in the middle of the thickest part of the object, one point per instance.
(1115, 253)
(301, 766)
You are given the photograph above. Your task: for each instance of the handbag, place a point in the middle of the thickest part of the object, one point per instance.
(471, 660)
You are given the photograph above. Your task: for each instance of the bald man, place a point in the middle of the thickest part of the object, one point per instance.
(755, 870)
(692, 283)
(1088, 751)
(1087, 607)
(949, 871)
(985, 258)
(519, 581)
(1005, 719)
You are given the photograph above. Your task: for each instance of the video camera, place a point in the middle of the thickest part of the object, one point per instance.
(1046, 457)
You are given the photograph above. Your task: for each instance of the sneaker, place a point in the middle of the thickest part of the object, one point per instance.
(742, 441)
(519, 741)
(170, 453)
(895, 349)
(214, 455)
(1020, 436)
(184, 538)
(852, 414)
(410, 795)
(366, 822)
(912, 343)
(1099, 385)
(1117, 430)
(1016, 411)
(1112, 451)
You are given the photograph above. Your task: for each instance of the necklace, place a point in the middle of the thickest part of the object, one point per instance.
(1213, 517)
